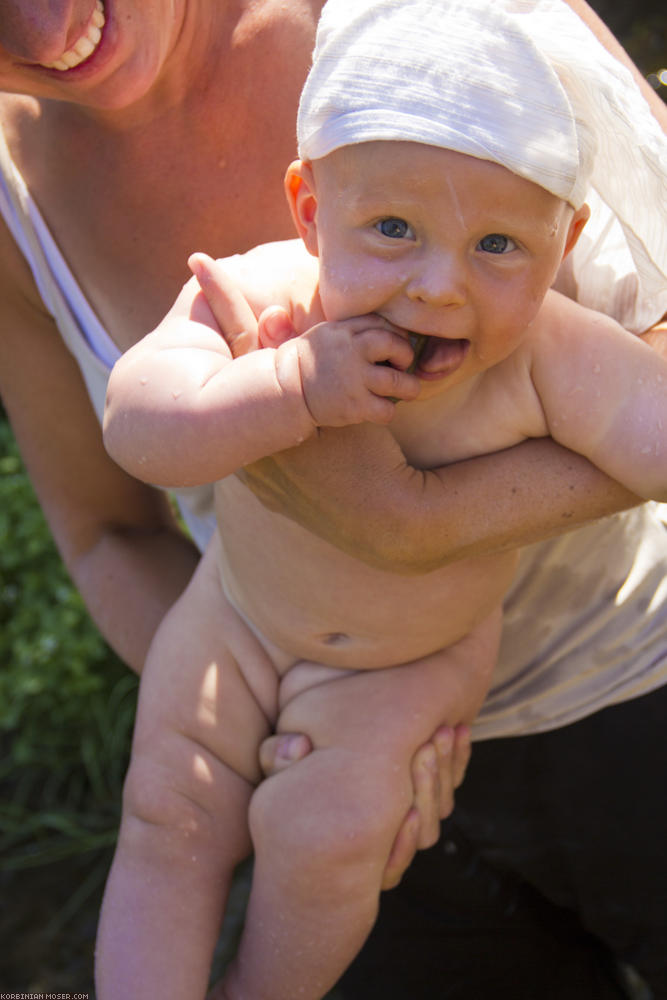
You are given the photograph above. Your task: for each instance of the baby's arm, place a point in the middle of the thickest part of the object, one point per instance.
(604, 394)
(323, 829)
(181, 411)
(391, 515)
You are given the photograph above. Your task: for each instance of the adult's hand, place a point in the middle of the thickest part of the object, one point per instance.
(437, 768)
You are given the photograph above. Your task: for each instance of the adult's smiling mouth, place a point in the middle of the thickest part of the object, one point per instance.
(85, 45)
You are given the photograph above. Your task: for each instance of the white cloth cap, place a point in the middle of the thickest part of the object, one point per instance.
(523, 83)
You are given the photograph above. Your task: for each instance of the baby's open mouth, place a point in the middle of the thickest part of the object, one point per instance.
(418, 343)
(437, 356)
(85, 45)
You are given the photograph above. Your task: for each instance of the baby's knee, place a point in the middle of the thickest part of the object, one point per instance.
(332, 815)
(161, 824)
(193, 809)
(151, 797)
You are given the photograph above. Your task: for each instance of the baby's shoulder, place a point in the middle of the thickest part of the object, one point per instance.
(282, 273)
(562, 320)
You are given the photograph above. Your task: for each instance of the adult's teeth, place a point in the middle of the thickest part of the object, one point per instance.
(85, 46)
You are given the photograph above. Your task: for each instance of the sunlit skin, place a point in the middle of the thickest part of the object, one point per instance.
(137, 40)
(465, 252)
(102, 162)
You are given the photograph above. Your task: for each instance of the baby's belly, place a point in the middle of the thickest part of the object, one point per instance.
(307, 600)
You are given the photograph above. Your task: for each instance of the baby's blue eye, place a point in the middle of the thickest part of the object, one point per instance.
(395, 229)
(496, 243)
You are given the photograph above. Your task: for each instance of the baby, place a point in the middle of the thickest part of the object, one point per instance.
(438, 211)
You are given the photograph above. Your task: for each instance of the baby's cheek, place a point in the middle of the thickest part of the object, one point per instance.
(348, 289)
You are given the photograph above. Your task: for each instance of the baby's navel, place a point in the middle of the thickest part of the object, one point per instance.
(335, 638)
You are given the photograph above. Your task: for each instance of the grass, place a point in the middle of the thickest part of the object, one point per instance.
(66, 715)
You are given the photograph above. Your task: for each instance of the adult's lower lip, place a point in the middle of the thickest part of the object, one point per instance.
(441, 357)
(85, 45)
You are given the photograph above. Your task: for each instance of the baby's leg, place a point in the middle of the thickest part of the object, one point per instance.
(323, 828)
(184, 824)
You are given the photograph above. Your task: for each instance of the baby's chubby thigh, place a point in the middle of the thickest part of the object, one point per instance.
(355, 788)
(343, 804)
(208, 697)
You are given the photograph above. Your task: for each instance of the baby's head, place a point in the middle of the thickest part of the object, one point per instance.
(403, 94)
(454, 248)
(481, 77)
(441, 166)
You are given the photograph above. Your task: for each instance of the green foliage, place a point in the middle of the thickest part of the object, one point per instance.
(66, 702)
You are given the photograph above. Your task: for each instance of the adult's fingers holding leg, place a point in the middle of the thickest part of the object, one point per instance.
(274, 327)
(403, 850)
(437, 769)
(280, 751)
(229, 306)
(461, 755)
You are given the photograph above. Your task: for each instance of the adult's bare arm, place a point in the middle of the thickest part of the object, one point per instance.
(118, 538)
(396, 517)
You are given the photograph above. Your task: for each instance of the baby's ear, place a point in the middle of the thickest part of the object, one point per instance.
(274, 327)
(302, 200)
(577, 223)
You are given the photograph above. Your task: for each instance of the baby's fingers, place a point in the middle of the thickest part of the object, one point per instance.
(383, 346)
(391, 383)
(232, 312)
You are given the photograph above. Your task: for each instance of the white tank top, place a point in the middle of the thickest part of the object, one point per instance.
(92, 347)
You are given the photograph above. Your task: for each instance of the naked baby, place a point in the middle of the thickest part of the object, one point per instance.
(430, 221)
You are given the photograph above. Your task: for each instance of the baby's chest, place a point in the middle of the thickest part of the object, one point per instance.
(447, 438)
(497, 415)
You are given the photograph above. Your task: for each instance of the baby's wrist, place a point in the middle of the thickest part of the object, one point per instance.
(287, 369)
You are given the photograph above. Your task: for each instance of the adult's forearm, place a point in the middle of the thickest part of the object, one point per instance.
(401, 519)
(397, 518)
(128, 580)
(531, 492)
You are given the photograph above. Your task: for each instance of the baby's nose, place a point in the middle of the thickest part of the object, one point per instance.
(438, 281)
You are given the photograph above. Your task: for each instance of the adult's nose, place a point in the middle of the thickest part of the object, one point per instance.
(36, 30)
